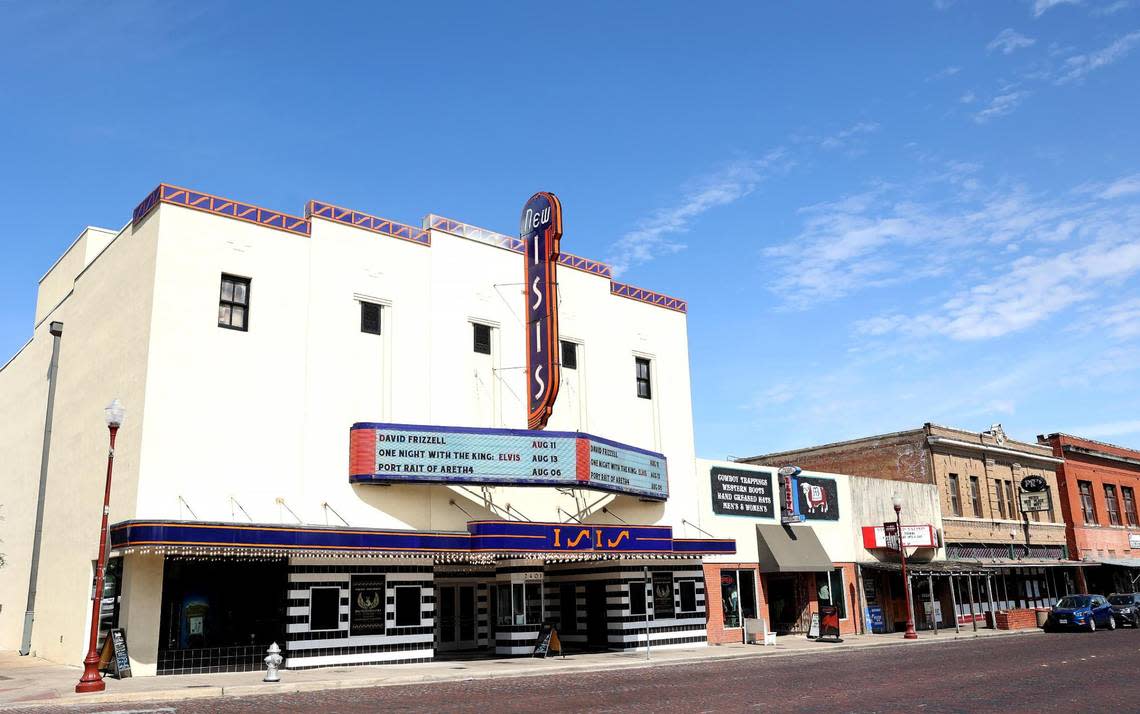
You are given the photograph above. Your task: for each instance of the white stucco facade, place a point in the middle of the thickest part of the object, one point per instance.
(252, 426)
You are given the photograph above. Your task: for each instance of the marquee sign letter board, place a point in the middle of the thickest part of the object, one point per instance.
(410, 453)
(541, 232)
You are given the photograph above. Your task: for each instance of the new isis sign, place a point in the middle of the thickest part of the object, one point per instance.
(541, 231)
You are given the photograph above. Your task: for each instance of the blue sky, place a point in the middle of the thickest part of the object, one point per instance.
(881, 214)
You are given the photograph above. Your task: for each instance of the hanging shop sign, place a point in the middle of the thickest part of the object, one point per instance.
(886, 536)
(1033, 501)
(366, 606)
(817, 498)
(409, 453)
(1034, 483)
(737, 492)
(541, 233)
(789, 506)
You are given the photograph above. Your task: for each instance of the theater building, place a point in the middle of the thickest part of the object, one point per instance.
(1097, 484)
(795, 548)
(330, 443)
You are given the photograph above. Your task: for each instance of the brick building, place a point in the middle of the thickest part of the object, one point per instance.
(1097, 487)
(1017, 557)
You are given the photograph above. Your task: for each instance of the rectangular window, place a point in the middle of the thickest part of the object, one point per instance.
(642, 369)
(830, 591)
(233, 304)
(534, 603)
(730, 597)
(1000, 498)
(975, 497)
(1088, 507)
(408, 606)
(324, 608)
(1009, 499)
(568, 608)
(637, 597)
(1111, 504)
(1129, 505)
(688, 590)
(370, 318)
(569, 355)
(955, 496)
(482, 339)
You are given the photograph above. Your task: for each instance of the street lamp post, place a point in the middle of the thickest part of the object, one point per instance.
(896, 501)
(91, 681)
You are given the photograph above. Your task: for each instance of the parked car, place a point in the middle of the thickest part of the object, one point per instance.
(1126, 607)
(1085, 612)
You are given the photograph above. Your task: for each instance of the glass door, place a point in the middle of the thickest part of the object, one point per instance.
(466, 637)
(445, 621)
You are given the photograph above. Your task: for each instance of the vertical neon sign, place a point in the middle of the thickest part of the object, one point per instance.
(541, 232)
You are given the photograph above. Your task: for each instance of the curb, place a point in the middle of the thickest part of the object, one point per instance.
(253, 690)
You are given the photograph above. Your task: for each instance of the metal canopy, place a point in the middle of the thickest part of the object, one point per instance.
(784, 549)
(1120, 562)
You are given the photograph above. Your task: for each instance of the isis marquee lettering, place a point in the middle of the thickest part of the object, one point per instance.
(598, 538)
(541, 233)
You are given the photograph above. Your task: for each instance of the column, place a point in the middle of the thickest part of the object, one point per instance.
(141, 610)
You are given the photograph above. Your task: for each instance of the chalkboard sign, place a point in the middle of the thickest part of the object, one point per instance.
(813, 630)
(829, 622)
(114, 659)
(547, 642)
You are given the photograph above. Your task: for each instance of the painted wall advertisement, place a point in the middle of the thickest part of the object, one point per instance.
(390, 453)
(737, 492)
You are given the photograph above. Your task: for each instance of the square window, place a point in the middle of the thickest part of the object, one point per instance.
(482, 339)
(370, 318)
(569, 355)
(233, 303)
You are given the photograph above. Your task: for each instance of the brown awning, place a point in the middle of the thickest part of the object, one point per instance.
(788, 549)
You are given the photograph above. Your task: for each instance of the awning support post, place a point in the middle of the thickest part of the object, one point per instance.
(990, 594)
(933, 612)
(954, 600)
(973, 617)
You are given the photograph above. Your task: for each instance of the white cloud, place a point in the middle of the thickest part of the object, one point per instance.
(1122, 187)
(1078, 66)
(967, 98)
(1040, 7)
(841, 138)
(1107, 429)
(1009, 41)
(653, 236)
(943, 73)
(1111, 9)
(1001, 105)
(1123, 320)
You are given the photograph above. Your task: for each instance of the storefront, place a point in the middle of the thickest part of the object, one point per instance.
(337, 596)
(794, 552)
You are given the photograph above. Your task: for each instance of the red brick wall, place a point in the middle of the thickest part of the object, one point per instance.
(1101, 538)
(899, 457)
(714, 609)
(1017, 619)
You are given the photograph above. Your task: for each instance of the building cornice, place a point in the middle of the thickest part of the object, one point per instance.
(1097, 453)
(990, 449)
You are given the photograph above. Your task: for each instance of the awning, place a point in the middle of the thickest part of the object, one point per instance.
(967, 567)
(1119, 562)
(784, 549)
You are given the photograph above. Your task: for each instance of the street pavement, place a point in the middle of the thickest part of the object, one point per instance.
(1064, 672)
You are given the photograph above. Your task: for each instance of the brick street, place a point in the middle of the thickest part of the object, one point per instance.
(1069, 672)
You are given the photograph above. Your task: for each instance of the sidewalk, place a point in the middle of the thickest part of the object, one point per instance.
(28, 682)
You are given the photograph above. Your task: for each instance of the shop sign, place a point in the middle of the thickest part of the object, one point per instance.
(366, 605)
(1034, 483)
(808, 498)
(1134, 540)
(737, 492)
(663, 603)
(789, 506)
(1034, 501)
(886, 536)
(541, 232)
(408, 453)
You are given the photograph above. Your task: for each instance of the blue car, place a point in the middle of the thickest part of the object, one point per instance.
(1083, 612)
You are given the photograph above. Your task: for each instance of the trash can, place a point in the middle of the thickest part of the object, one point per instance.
(1042, 616)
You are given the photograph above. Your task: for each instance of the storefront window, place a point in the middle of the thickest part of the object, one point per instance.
(747, 580)
(519, 604)
(534, 603)
(830, 591)
(730, 598)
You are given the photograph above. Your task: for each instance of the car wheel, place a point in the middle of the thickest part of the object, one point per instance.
(1112, 622)
(1092, 624)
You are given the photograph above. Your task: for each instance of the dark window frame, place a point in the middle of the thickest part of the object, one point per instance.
(336, 608)
(1112, 504)
(569, 351)
(998, 490)
(1128, 495)
(234, 281)
(976, 496)
(479, 346)
(365, 321)
(955, 494)
(1088, 502)
(644, 381)
(682, 585)
(418, 602)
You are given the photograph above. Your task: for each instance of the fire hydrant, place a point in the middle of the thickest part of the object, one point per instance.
(272, 662)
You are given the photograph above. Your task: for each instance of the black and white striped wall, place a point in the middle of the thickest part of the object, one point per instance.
(516, 639)
(306, 647)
